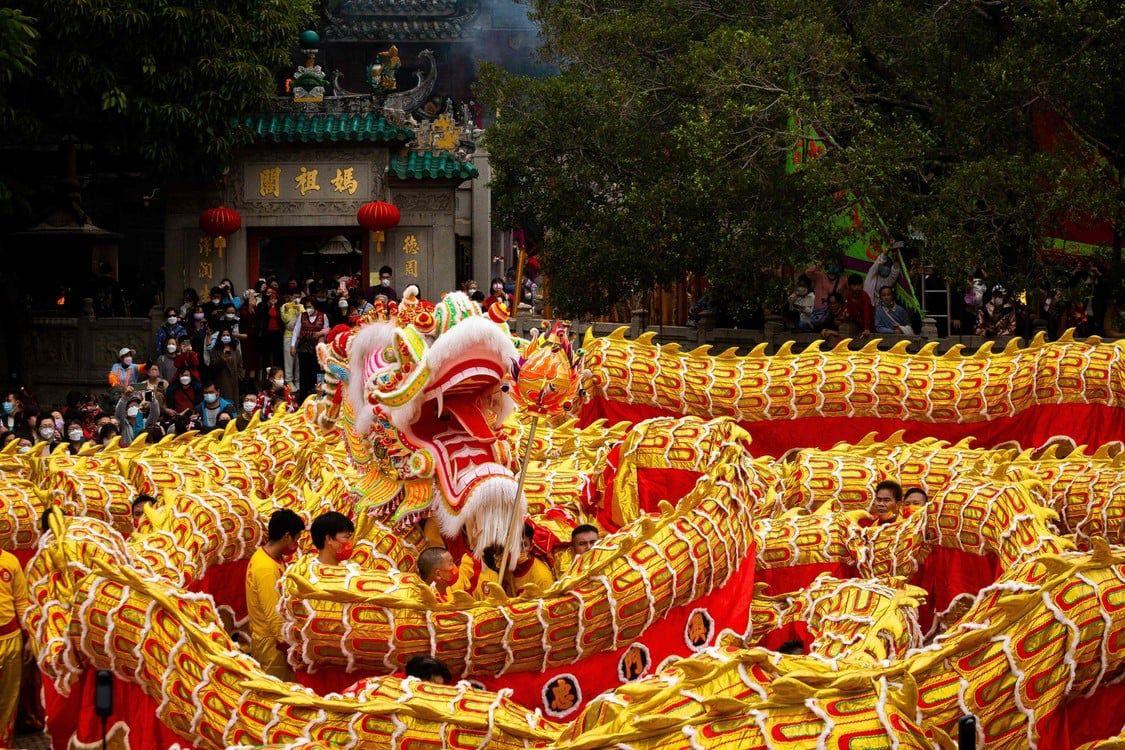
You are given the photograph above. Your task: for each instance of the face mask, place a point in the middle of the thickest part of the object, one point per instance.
(58, 424)
(126, 361)
(248, 406)
(231, 316)
(185, 379)
(171, 348)
(215, 300)
(133, 411)
(24, 448)
(385, 282)
(345, 551)
(310, 311)
(342, 304)
(472, 289)
(210, 397)
(198, 316)
(173, 320)
(47, 432)
(9, 407)
(75, 435)
(225, 339)
(279, 384)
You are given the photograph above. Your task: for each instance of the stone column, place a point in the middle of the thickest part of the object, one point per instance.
(483, 252)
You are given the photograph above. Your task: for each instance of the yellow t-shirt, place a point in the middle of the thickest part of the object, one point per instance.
(539, 573)
(262, 599)
(472, 574)
(13, 595)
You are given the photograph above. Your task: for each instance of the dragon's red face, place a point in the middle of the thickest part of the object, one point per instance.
(444, 399)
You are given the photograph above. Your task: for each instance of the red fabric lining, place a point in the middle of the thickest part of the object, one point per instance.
(226, 583)
(1092, 424)
(73, 715)
(1084, 719)
(797, 577)
(947, 572)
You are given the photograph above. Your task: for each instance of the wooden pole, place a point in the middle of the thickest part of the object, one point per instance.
(516, 518)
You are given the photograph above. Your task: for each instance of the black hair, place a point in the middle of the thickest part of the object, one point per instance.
(912, 490)
(894, 487)
(492, 555)
(45, 519)
(855, 278)
(107, 431)
(584, 528)
(795, 646)
(428, 562)
(477, 296)
(386, 270)
(427, 668)
(284, 522)
(804, 281)
(143, 499)
(329, 525)
(886, 286)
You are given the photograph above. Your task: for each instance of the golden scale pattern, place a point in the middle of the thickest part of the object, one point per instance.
(104, 602)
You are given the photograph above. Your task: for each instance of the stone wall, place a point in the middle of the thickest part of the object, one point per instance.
(74, 354)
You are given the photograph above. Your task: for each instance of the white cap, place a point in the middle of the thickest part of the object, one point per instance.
(124, 350)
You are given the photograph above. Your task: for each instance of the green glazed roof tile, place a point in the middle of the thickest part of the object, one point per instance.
(429, 165)
(322, 127)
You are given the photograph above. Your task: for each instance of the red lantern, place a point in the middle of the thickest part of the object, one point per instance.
(378, 216)
(219, 223)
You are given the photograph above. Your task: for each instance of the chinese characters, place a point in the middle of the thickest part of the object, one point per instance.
(306, 180)
(303, 180)
(344, 181)
(269, 182)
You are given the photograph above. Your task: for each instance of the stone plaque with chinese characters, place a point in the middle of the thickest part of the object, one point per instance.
(292, 184)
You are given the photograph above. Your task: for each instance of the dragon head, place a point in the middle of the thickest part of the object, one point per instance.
(424, 399)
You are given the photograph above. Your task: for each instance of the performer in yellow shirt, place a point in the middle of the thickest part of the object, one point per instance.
(13, 603)
(262, 595)
(582, 539)
(529, 568)
(436, 569)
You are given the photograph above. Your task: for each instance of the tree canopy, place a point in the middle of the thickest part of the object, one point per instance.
(660, 148)
(156, 83)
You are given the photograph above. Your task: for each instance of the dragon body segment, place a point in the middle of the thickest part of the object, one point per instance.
(1047, 633)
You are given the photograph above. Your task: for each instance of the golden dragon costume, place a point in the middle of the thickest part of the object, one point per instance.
(1033, 648)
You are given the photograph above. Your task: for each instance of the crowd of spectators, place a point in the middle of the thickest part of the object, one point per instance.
(837, 304)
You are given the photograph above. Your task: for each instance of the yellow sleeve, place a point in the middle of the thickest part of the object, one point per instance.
(539, 574)
(467, 571)
(472, 574)
(19, 591)
(263, 598)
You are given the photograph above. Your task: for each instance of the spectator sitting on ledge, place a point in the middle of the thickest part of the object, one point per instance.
(890, 316)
